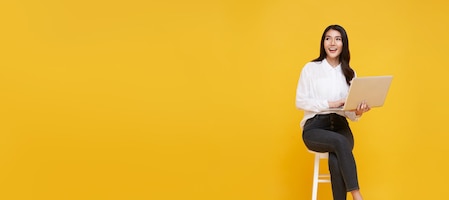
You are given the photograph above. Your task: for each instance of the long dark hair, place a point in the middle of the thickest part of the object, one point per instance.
(344, 56)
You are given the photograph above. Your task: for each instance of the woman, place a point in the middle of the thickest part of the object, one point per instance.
(324, 84)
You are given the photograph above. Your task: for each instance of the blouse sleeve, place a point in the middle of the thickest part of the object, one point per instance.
(304, 94)
(352, 116)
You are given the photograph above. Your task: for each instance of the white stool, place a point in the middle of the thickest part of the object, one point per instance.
(317, 177)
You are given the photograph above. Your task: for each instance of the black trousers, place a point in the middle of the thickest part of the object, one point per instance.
(331, 133)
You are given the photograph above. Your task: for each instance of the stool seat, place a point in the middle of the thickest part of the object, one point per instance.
(317, 176)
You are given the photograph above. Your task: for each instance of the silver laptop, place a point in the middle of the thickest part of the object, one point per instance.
(371, 89)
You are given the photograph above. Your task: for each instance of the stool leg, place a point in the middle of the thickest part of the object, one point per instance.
(316, 170)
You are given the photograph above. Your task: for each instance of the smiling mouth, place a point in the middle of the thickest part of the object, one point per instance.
(332, 49)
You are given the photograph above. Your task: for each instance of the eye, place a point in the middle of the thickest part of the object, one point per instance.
(339, 39)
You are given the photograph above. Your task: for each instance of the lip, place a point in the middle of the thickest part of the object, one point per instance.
(333, 49)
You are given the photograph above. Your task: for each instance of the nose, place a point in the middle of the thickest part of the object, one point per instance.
(333, 41)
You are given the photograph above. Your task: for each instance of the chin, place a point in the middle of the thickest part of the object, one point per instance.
(333, 56)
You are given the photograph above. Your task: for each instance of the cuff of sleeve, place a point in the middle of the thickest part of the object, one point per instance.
(352, 116)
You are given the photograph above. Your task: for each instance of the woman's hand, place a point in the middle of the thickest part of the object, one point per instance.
(336, 104)
(362, 108)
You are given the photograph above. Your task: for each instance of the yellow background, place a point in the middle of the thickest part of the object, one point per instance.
(195, 99)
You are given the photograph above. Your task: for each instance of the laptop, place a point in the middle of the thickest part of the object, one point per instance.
(371, 89)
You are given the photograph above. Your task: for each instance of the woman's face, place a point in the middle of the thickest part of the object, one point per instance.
(333, 44)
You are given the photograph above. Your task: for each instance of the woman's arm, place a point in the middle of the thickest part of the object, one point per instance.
(304, 95)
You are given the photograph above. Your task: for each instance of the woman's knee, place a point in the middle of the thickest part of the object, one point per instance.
(342, 144)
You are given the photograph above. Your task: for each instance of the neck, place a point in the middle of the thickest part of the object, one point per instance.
(333, 61)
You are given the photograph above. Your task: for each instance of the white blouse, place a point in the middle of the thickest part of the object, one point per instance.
(319, 83)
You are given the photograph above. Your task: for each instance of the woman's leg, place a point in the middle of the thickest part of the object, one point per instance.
(345, 158)
(320, 134)
(337, 181)
(341, 161)
(356, 195)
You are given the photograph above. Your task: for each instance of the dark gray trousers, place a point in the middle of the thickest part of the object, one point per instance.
(331, 133)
